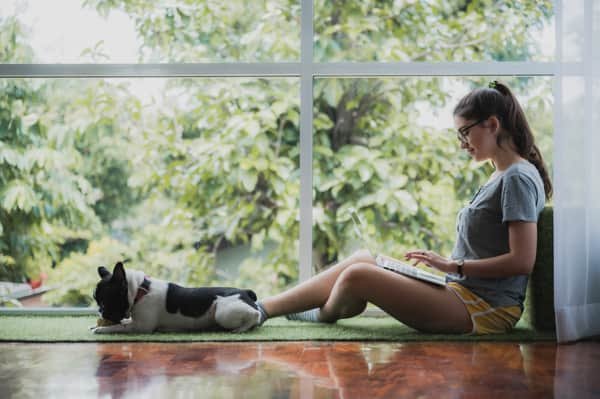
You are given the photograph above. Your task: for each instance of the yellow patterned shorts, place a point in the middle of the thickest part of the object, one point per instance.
(486, 319)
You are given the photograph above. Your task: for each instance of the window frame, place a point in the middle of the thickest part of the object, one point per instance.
(306, 70)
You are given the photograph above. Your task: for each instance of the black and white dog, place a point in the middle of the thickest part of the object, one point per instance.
(137, 303)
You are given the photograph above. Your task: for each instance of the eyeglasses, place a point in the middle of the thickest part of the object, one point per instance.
(463, 132)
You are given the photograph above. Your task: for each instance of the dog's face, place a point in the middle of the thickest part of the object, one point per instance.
(111, 293)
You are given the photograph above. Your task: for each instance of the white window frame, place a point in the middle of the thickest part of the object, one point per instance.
(307, 70)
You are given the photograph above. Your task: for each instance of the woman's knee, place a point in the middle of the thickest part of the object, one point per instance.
(351, 289)
(362, 256)
(355, 278)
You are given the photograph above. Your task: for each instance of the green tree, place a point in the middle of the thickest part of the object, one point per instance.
(42, 197)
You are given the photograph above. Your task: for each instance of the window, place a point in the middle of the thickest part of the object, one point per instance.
(215, 143)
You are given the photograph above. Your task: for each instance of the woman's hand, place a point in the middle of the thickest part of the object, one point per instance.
(431, 259)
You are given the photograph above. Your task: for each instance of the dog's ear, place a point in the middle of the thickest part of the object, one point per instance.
(103, 271)
(119, 272)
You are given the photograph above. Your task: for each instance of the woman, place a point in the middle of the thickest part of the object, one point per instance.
(493, 255)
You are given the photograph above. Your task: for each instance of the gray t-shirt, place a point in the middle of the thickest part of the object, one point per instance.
(517, 194)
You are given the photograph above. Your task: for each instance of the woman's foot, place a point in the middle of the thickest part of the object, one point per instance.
(311, 315)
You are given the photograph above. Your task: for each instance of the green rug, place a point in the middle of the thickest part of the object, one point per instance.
(76, 329)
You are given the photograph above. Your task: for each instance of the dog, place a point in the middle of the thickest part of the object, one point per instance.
(136, 303)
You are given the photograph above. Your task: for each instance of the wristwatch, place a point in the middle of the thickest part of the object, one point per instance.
(459, 266)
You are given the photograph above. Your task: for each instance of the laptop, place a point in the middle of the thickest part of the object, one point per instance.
(389, 263)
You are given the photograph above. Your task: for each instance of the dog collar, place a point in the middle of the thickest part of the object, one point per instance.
(143, 289)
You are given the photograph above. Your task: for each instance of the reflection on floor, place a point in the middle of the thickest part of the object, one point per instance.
(300, 370)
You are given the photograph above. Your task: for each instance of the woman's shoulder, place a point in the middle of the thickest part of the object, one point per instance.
(522, 166)
(524, 170)
(524, 176)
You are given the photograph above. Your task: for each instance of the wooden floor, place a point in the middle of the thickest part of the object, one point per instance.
(300, 370)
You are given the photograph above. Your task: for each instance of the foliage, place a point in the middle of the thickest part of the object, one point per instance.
(213, 31)
(410, 30)
(201, 165)
(42, 196)
(234, 180)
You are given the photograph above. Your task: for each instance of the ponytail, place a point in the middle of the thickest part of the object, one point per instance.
(499, 101)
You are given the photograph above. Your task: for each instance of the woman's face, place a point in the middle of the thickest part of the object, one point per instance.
(478, 138)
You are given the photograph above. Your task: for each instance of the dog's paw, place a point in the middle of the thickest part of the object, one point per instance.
(115, 328)
(235, 315)
(98, 330)
(250, 325)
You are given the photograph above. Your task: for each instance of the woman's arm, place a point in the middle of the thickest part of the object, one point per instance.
(522, 241)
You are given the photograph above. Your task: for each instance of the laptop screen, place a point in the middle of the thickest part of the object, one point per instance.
(359, 229)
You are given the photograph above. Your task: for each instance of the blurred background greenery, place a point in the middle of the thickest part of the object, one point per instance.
(196, 180)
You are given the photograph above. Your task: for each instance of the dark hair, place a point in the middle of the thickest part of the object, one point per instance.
(499, 101)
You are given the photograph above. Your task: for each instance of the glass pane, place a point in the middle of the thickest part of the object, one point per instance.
(574, 141)
(387, 147)
(195, 181)
(595, 38)
(572, 31)
(100, 31)
(359, 30)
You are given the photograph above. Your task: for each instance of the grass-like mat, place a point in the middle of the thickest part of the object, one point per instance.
(76, 329)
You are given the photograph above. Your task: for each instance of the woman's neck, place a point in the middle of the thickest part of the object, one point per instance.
(505, 157)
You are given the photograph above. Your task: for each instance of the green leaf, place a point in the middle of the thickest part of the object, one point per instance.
(407, 200)
(258, 240)
(396, 181)
(322, 122)
(12, 157)
(249, 179)
(28, 120)
(18, 195)
(365, 172)
(252, 127)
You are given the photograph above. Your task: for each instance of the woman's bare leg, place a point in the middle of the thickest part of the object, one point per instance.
(415, 303)
(314, 292)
